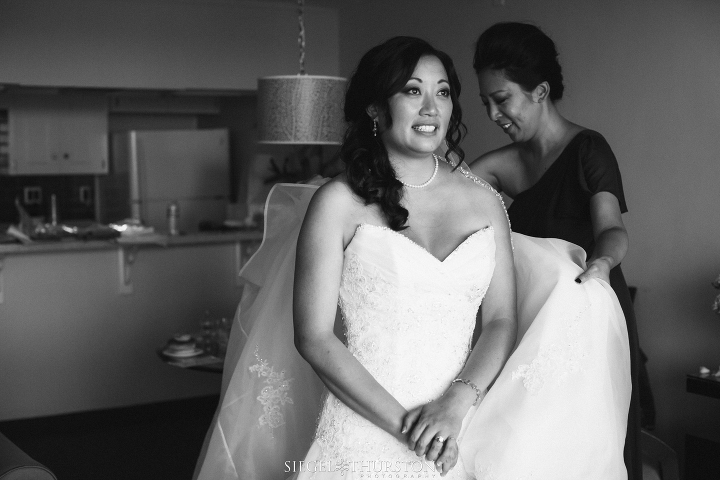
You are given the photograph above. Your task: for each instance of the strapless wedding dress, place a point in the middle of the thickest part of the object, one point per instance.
(409, 319)
(557, 411)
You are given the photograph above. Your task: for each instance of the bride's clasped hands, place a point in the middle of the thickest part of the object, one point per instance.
(433, 429)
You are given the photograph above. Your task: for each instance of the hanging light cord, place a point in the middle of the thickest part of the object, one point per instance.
(301, 35)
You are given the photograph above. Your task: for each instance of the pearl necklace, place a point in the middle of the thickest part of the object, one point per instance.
(423, 185)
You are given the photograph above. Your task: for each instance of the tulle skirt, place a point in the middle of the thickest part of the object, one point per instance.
(558, 409)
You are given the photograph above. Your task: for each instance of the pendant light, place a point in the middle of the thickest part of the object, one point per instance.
(301, 109)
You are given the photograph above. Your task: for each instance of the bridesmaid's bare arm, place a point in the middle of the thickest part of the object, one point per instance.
(611, 238)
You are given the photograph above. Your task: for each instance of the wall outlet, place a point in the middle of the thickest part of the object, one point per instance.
(32, 195)
(85, 195)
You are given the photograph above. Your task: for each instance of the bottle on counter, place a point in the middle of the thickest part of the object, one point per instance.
(53, 210)
(173, 213)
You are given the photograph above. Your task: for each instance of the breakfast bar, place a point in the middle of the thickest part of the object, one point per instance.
(82, 320)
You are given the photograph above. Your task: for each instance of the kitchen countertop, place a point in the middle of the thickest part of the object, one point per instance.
(154, 240)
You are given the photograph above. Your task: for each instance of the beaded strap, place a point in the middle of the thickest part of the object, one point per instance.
(479, 181)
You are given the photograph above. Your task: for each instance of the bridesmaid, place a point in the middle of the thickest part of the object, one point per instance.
(563, 178)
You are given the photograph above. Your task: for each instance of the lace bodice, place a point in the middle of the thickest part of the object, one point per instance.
(399, 302)
(409, 319)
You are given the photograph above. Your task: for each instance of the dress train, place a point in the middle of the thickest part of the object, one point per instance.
(558, 409)
(270, 397)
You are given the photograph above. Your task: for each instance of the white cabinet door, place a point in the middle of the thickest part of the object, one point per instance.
(57, 135)
(82, 143)
(31, 135)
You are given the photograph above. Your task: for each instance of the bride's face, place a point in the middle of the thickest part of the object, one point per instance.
(420, 112)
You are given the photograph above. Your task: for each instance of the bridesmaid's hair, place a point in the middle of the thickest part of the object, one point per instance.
(524, 53)
(382, 72)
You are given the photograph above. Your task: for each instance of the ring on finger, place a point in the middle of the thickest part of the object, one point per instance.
(439, 439)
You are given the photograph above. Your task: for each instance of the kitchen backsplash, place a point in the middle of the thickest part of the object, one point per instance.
(75, 196)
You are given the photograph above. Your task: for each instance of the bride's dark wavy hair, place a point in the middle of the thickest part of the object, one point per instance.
(382, 72)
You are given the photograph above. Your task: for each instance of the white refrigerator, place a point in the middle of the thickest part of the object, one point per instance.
(152, 169)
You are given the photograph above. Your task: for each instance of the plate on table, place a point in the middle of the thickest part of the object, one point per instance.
(183, 353)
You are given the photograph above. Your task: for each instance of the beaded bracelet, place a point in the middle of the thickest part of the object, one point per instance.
(470, 384)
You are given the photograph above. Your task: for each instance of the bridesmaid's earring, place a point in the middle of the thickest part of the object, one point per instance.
(374, 128)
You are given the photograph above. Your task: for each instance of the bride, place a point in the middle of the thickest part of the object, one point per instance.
(418, 254)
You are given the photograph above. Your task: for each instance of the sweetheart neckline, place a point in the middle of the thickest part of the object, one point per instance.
(417, 245)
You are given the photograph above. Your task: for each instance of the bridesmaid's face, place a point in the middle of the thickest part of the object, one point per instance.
(508, 105)
(420, 112)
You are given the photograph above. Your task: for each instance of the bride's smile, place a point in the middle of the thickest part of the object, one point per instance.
(419, 113)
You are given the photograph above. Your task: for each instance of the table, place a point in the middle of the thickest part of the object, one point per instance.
(707, 385)
(205, 362)
(702, 456)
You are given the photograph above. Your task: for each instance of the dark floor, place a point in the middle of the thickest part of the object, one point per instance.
(154, 442)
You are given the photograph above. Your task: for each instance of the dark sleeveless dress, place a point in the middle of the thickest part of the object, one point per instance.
(558, 206)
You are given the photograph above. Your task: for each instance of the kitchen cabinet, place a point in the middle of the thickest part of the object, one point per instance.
(56, 134)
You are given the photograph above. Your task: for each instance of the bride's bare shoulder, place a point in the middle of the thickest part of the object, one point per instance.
(337, 194)
(335, 202)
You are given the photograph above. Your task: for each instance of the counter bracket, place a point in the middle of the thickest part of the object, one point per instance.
(126, 259)
(2, 286)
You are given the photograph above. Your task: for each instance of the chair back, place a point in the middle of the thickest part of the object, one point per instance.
(660, 461)
(17, 465)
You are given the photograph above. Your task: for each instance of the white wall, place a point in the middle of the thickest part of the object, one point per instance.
(165, 44)
(645, 74)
